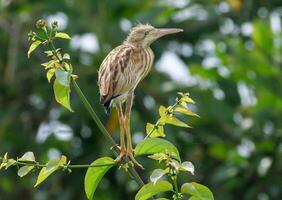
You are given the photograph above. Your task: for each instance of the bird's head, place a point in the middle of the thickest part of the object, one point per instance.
(145, 34)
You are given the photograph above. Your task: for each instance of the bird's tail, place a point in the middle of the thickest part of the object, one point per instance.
(107, 106)
(106, 103)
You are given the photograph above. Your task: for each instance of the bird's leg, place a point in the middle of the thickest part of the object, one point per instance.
(121, 125)
(129, 151)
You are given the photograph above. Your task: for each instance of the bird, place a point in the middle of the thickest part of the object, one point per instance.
(120, 73)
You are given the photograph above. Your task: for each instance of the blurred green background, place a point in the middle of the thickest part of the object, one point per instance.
(229, 58)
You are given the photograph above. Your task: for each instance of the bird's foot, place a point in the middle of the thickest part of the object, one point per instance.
(115, 146)
(130, 155)
(121, 154)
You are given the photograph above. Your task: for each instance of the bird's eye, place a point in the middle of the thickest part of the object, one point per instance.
(146, 33)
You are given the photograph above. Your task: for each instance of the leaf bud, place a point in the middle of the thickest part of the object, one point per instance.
(41, 24)
(54, 25)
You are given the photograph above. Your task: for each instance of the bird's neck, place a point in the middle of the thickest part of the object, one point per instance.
(139, 45)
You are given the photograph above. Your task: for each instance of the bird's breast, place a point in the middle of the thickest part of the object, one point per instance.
(143, 62)
(122, 70)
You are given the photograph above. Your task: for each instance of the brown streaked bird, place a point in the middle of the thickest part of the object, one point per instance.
(122, 70)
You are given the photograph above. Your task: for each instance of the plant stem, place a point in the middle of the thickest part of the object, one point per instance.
(87, 166)
(157, 123)
(107, 135)
(174, 179)
(64, 166)
(95, 118)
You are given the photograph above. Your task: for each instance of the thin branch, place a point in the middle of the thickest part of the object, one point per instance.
(174, 179)
(87, 166)
(158, 122)
(36, 164)
(95, 117)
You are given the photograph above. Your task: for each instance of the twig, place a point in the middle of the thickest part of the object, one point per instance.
(158, 122)
(174, 179)
(63, 166)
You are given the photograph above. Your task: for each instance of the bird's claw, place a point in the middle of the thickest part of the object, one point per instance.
(115, 146)
(119, 158)
(121, 154)
(130, 155)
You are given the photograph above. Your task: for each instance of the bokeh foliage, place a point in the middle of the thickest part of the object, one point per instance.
(232, 50)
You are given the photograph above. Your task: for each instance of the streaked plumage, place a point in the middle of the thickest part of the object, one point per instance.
(122, 70)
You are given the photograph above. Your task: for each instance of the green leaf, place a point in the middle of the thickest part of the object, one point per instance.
(162, 111)
(52, 164)
(197, 191)
(66, 56)
(149, 190)
(63, 77)
(32, 47)
(49, 64)
(156, 175)
(62, 94)
(174, 121)
(48, 53)
(24, 170)
(175, 164)
(95, 174)
(51, 167)
(4, 161)
(62, 35)
(156, 145)
(28, 156)
(6, 156)
(50, 74)
(185, 111)
(187, 166)
(2, 165)
(68, 66)
(162, 199)
(159, 157)
(185, 98)
(194, 198)
(10, 163)
(154, 131)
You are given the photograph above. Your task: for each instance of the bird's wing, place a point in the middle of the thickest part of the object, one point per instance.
(112, 77)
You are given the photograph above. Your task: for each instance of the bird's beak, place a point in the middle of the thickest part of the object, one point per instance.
(157, 33)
